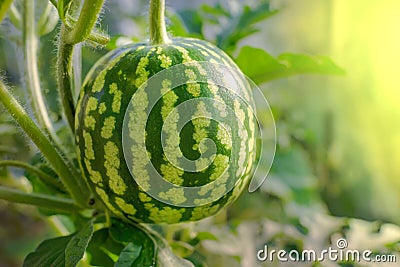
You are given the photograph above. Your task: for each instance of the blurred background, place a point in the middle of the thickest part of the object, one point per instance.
(357, 153)
(338, 157)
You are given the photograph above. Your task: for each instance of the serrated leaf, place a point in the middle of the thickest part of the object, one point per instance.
(77, 245)
(62, 7)
(217, 10)
(251, 16)
(49, 253)
(262, 67)
(128, 255)
(213, 14)
(242, 25)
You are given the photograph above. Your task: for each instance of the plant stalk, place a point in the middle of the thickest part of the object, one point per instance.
(86, 21)
(32, 80)
(69, 36)
(73, 182)
(47, 179)
(64, 72)
(39, 200)
(158, 29)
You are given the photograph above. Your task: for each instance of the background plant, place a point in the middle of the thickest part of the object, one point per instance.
(289, 199)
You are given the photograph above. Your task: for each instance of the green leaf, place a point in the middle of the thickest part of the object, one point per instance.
(213, 14)
(165, 256)
(49, 253)
(102, 249)
(242, 25)
(262, 67)
(217, 10)
(63, 6)
(202, 236)
(4, 6)
(124, 233)
(77, 245)
(128, 255)
(61, 251)
(300, 63)
(154, 249)
(177, 25)
(192, 21)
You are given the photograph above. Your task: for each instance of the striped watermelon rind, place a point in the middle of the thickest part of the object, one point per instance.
(103, 103)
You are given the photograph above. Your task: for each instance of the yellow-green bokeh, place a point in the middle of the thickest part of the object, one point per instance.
(363, 37)
(366, 42)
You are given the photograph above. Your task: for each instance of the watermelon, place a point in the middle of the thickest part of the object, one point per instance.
(199, 121)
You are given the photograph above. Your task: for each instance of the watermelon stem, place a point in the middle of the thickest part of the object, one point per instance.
(70, 36)
(65, 169)
(158, 29)
(86, 21)
(64, 77)
(44, 177)
(30, 46)
(39, 200)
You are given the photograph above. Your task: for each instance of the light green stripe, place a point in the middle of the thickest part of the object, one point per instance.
(112, 164)
(107, 130)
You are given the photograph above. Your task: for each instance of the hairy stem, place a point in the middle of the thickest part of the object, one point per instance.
(95, 37)
(47, 179)
(40, 200)
(158, 30)
(30, 42)
(69, 36)
(86, 21)
(64, 72)
(73, 182)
